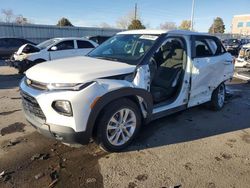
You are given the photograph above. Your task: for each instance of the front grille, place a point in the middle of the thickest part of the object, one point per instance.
(31, 106)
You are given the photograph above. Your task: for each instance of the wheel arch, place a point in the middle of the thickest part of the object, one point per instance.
(39, 60)
(130, 93)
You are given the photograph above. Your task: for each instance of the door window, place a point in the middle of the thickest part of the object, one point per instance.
(202, 49)
(208, 46)
(84, 44)
(171, 49)
(65, 45)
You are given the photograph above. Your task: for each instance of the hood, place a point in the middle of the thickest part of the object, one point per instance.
(27, 48)
(24, 50)
(77, 70)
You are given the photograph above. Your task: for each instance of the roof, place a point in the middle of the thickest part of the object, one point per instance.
(72, 38)
(158, 32)
(143, 31)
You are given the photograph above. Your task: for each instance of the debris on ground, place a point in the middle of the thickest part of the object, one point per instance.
(12, 128)
(226, 156)
(217, 159)
(38, 176)
(40, 156)
(132, 185)
(177, 186)
(91, 180)
(11, 143)
(142, 177)
(54, 178)
(188, 166)
(5, 176)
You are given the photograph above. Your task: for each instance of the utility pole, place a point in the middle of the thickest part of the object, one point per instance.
(192, 16)
(135, 11)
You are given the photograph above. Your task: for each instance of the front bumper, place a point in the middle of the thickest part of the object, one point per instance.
(61, 133)
(38, 110)
(20, 65)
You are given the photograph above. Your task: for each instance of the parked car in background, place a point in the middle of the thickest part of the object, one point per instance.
(29, 55)
(99, 39)
(133, 78)
(244, 41)
(233, 46)
(9, 45)
(243, 59)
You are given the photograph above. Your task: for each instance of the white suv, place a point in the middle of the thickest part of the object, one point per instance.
(129, 80)
(29, 55)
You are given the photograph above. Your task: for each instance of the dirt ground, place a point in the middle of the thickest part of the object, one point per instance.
(194, 148)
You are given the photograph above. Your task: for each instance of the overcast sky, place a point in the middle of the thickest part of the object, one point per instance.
(152, 12)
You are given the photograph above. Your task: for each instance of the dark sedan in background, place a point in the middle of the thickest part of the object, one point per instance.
(10, 45)
(233, 46)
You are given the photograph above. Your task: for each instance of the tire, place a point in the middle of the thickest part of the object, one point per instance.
(218, 98)
(112, 135)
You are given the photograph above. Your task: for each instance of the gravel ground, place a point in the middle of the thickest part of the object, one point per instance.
(194, 148)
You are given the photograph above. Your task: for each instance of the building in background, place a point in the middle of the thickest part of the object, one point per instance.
(241, 24)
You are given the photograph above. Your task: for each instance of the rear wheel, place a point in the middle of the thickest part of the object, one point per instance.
(118, 125)
(218, 97)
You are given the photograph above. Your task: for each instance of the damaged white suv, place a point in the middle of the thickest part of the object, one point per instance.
(129, 80)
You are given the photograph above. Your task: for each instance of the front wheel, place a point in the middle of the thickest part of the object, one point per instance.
(118, 125)
(218, 97)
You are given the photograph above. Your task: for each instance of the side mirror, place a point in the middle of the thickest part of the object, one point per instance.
(53, 48)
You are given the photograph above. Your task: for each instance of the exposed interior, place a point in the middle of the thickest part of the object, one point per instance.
(167, 69)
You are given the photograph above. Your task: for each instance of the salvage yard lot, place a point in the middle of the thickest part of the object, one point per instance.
(194, 148)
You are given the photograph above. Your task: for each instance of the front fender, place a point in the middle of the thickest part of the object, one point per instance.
(114, 95)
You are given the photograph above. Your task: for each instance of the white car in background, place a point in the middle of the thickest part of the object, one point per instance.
(129, 80)
(29, 55)
(243, 59)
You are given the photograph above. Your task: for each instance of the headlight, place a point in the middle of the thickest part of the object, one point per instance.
(63, 107)
(68, 86)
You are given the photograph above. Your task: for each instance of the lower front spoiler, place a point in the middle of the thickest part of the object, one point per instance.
(61, 133)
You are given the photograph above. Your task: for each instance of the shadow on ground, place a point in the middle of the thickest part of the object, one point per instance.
(10, 81)
(198, 122)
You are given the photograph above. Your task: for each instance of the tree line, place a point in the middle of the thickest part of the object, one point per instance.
(126, 22)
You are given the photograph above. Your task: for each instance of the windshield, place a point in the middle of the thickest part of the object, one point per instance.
(124, 48)
(46, 43)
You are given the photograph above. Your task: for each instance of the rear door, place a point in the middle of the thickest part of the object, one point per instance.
(64, 49)
(84, 47)
(211, 65)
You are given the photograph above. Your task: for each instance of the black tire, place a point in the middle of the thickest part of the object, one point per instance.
(105, 118)
(217, 100)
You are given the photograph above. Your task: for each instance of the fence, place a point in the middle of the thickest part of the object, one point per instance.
(228, 36)
(39, 33)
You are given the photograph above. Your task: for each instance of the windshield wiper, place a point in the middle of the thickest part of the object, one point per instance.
(107, 58)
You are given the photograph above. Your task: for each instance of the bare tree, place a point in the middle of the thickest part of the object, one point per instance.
(168, 26)
(21, 20)
(124, 21)
(105, 25)
(8, 15)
